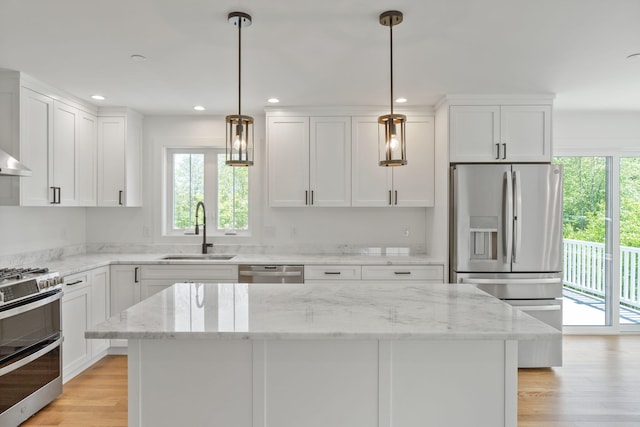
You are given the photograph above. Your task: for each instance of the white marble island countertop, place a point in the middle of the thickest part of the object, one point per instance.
(325, 311)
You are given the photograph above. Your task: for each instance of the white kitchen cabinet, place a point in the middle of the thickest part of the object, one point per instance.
(100, 306)
(411, 185)
(125, 287)
(46, 130)
(499, 133)
(62, 157)
(393, 273)
(155, 278)
(76, 319)
(85, 303)
(86, 159)
(390, 273)
(331, 272)
(330, 161)
(309, 161)
(124, 291)
(36, 116)
(119, 158)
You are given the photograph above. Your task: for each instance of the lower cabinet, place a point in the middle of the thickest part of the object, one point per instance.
(400, 273)
(85, 302)
(374, 273)
(131, 283)
(155, 278)
(100, 307)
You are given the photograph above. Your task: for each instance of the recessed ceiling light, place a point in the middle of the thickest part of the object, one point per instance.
(97, 97)
(199, 108)
(138, 58)
(273, 100)
(634, 56)
(401, 100)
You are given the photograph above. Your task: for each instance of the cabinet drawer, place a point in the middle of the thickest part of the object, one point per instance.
(332, 272)
(189, 272)
(431, 273)
(76, 281)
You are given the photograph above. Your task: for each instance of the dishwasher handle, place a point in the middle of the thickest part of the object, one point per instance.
(270, 273)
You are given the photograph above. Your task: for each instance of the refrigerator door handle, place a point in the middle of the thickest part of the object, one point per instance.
(507, 217)
(538, 307)
(542, 281)
(517, 219)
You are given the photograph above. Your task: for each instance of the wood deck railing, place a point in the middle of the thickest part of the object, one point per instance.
(583, 270)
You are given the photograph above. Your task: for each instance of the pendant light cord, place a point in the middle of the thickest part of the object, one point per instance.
(239, 63)
(391, 58)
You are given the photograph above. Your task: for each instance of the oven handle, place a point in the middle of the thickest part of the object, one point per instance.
(544, 281)
(20, 363)
(35, 304)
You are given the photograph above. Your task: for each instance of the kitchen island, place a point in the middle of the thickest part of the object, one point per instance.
(334, 354)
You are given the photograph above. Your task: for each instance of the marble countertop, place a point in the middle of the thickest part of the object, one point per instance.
(325, 311)
(77, 263)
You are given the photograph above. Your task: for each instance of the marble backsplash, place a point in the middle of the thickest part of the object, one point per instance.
(35, 258)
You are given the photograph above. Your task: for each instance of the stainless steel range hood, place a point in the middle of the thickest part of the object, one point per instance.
(11, 166)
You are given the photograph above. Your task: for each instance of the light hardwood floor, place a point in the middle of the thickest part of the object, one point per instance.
(599, 385)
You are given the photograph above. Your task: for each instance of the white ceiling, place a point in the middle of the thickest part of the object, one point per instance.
(328, 52)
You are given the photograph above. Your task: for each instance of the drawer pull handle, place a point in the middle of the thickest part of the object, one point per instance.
(75, 283)
(332, 272)
(401, 272)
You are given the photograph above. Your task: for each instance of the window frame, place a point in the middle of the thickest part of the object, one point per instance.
(210, 193)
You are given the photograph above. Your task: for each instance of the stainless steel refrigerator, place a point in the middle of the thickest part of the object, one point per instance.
(506, 239)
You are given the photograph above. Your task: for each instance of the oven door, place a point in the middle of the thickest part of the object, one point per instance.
(30, 357)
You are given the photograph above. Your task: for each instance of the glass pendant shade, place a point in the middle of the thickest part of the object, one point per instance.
(391, 140)
(239, 143)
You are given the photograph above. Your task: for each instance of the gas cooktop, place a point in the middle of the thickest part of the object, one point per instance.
(17, 284)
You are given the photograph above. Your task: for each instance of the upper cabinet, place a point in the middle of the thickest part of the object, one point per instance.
(119, 158)
(499, 133)
(411, 185)
(55, 136)
(309, 161)
(332, 161)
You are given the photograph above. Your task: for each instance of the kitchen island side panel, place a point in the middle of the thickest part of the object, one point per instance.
(343, 383)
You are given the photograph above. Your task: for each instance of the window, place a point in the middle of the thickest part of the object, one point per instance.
(200, 175)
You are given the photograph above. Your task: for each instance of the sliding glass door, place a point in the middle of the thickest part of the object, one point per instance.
(601, 232)
(629, 184)
(587, 243)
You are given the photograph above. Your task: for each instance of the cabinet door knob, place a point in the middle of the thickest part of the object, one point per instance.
(120, 197)
(504, 150)
(497, 151)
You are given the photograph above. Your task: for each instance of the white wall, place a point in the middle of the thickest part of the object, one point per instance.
(595, 131)
(27, 229)
(280, 227)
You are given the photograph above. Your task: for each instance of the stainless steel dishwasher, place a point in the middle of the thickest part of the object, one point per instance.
(271, 274)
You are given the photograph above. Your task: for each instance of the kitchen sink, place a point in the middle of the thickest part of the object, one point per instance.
(198, 257)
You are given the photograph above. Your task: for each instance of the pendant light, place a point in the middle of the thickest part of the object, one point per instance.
(239, 143)
(391, 127)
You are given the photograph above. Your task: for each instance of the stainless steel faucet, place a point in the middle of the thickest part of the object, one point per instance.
(205, 245)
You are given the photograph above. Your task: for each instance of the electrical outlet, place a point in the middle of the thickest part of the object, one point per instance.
(405, 232)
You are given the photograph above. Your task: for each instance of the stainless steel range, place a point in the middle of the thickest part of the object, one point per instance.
(30, 342)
